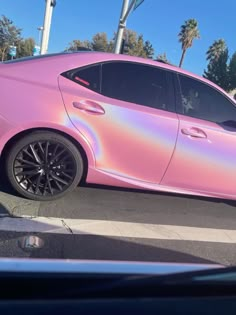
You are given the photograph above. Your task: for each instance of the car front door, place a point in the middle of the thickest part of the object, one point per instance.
(125, 116)
(205, 155)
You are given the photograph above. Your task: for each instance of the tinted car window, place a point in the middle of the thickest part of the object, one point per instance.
(135, 83)
(204, 102)
(88, 77)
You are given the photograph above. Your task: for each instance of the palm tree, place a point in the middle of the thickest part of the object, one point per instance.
(216, 49)
(189, 31)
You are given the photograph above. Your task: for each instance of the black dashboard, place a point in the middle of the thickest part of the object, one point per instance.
(56, 293)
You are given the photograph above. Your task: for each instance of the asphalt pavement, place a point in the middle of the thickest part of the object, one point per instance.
(118, 224)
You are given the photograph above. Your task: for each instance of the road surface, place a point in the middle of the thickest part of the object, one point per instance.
(114, 224)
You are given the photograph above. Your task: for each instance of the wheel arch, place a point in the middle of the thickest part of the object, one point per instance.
(84, 149)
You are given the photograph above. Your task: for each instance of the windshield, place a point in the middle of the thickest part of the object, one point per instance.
(118, 143)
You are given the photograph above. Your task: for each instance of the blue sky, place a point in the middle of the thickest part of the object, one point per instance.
(159, 21)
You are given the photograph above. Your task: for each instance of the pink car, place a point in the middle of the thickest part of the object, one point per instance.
(114, 120)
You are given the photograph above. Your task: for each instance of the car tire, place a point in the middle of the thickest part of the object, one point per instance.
(44, 166)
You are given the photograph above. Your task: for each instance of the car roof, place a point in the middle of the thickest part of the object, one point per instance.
(93, 56)
(98, 55)
(32, 58)
(69, 60)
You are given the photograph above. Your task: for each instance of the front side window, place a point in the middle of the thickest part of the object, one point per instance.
(201, 101)
(135, 83)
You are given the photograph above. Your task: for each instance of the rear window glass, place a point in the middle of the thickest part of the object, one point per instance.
(88, 77)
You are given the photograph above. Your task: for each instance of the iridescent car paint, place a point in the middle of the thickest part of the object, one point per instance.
(125, 144)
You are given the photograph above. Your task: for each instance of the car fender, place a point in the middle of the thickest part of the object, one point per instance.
(69, 130)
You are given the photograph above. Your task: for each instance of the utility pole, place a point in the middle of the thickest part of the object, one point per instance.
(50, 4)
(121, 27)
(125, 12)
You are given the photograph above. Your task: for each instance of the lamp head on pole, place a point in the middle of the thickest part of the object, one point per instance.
(53, 3)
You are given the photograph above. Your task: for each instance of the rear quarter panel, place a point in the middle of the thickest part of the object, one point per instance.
(30, 98)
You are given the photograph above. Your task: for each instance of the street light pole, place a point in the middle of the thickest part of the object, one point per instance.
(44, 43)
(50, 4)
(121, 27)
(49, 25)
(40, 29)
(125, 12)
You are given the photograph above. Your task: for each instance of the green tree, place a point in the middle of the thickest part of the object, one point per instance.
(100, 42)
(189, 31)
(149, 50)
(9, 35)
(216, 49)
(217, 71)
(232, 72)
(78, 44)
(25, 47)
(110, 47)
(136, 45)
(130, 39)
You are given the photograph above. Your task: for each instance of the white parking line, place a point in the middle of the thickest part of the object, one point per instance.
(116, 229)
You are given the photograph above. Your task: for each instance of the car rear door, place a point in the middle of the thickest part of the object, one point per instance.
(125, 110)
(205, 155)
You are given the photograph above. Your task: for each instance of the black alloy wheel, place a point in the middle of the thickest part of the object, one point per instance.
(44, 166)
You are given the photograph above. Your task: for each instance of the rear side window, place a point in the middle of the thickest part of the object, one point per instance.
(136, 83)
(88, 77)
